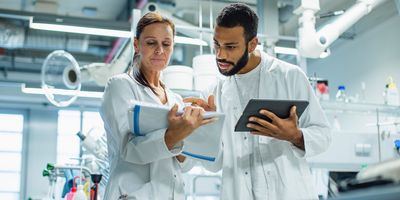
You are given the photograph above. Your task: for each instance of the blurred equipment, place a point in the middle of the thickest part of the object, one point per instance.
(62, 77)
(389, 170)
(385, 173)
(178, 77)
(205, 71)
(60, 72)
(313, 43)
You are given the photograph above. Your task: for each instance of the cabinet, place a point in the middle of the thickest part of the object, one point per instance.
(362, 134)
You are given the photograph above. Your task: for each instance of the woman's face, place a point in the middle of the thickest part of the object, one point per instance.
(155, 46)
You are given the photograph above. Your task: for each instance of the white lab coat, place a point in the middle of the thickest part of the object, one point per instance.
(292, 180)
(141, 167)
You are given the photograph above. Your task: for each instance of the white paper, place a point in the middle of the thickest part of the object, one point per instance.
(203, 143)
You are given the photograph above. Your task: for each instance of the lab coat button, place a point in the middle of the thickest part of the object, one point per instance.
(246, 173)
(174, 175)
(245, 137)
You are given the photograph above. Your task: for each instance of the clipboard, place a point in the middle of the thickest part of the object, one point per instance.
(202, 144)
(280, 108)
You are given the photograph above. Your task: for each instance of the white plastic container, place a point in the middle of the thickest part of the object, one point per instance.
(205, 64)
(178, 77)
(205, 71)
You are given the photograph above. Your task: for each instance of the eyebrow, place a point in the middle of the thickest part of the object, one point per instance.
(152, 37)
(229, 43)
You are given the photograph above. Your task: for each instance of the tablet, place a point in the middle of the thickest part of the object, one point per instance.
(281, 108)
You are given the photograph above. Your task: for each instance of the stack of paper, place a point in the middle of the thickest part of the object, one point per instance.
(204, 143)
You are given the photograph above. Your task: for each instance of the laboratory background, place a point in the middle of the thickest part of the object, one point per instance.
(56, 57)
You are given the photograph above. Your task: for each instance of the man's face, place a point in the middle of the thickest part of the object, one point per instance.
(231, 49)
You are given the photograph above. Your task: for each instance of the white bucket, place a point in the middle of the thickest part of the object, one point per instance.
(206, 72)
(178, 77)
(205, 64)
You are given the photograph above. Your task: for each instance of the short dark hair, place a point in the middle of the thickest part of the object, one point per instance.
(239, 14)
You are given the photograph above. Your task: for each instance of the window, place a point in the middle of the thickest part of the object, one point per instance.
(68, 144)
(69, 123)
(11, 133)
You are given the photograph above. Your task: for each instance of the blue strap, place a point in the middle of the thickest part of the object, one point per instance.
(198, 156)
(136, 114)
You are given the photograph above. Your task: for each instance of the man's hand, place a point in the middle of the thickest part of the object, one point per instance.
(282, 129)
(207, 106)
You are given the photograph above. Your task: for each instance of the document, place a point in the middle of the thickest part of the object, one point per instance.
(203, 144)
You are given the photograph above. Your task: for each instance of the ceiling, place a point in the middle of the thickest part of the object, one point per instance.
(22, 62)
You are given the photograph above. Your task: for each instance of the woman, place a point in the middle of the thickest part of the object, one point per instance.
(147, 167)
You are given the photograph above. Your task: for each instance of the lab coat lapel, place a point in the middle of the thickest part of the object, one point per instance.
(152, 95)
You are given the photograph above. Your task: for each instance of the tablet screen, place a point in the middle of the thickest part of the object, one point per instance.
(280, 108)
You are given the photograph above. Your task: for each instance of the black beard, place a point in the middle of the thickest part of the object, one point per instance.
(236, 67)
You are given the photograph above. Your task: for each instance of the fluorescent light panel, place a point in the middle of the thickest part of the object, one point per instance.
(87, 94)
(79, 29)
(286, 50)
(104, 32)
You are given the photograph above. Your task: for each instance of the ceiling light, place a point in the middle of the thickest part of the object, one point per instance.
(79, 29)
(87, 94)
(286, 50)
(72, 26)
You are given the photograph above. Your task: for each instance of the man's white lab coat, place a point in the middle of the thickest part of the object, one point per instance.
(285, 168)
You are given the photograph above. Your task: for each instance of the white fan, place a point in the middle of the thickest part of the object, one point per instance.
(61, 78)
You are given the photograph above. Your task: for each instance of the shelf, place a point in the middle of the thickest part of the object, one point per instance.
(359, 107)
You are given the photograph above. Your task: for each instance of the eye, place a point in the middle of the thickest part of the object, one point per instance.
(150, 43)
(166, 44)
(231, 47)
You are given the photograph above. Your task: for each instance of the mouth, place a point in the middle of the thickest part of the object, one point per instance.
(223, 65)
(157, 60)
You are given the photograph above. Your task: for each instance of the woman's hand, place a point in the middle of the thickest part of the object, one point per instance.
(181, 126)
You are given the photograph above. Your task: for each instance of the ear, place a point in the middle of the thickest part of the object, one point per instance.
(136, 44)
(252, 44)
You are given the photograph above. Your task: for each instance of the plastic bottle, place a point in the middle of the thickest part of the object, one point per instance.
(71, 194)
(80, 193)
(336, 125)
(341, 94)
(392, 94)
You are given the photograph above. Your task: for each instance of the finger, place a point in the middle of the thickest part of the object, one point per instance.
(196, 112)
(270, 115)
(293, 114)
(187, 112)
(264, 123)
(173, 110)
(261, 129)
(209, 121)
(211, 103)
(194, 100)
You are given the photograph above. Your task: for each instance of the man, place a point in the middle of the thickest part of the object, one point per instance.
(270, 162)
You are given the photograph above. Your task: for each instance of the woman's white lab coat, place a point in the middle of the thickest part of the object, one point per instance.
(284, 165)
(141, 167)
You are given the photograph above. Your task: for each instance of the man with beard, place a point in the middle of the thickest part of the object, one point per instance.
(269, 162)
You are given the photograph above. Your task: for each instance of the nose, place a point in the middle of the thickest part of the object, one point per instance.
(159, 50)
(220, 53)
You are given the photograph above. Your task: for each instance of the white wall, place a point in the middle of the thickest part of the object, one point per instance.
(371, 57)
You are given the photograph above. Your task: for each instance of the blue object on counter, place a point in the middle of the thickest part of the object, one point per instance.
(397, 144)
(69, 181)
